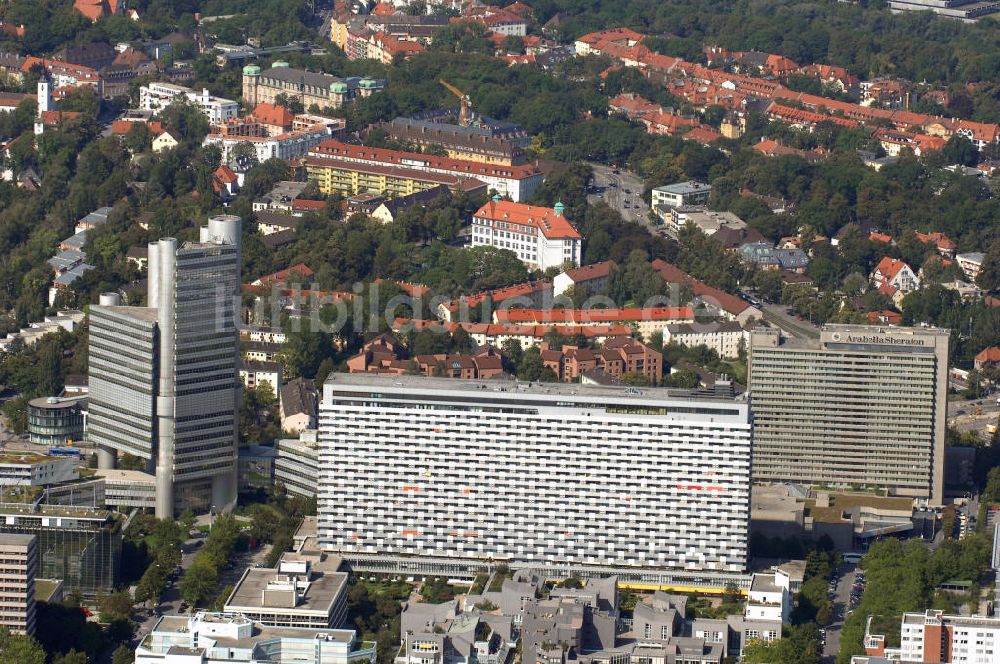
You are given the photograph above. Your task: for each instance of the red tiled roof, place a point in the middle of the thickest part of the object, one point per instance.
(942, 241)
(52, 118)
(383, 9)
(890, 267)
(307, 205)
(674, 275)
(546, 220)
(880, 237)
(887, 289)
(886, 316)
(991, 354)
(11, 30)
(702, 134)
(633, 104)
(92, 9)
(571, 316)
(500, 294)
(503, 329)
(521, 9)
(272, 114)
(279, 277)
(225, 175)
(384, 156)
(592, 271)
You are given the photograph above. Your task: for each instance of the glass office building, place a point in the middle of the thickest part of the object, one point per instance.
(80, 545)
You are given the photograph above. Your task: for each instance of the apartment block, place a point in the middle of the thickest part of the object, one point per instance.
(18, 569)
(515, 182)
(934, 636)
(724, 337)
(862, 406)
(444, 476)
(297, 464)
(644, 321)
(163, 378)
(158, 95)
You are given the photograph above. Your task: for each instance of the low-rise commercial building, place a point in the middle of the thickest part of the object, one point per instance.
(32, 469)
(80, 545)
(306, 590)
(971, 263)
(934, 636)
(681, 193)
(55, 421)
(255, 468)
(217, 638)
(128, 489)
(470, 143)
(287, 145)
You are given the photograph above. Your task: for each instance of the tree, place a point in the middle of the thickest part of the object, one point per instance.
(989, 274)
(20, 649)
(123, 655)
(199, 583)
(114, 606)
(72, 657)
(244, 151)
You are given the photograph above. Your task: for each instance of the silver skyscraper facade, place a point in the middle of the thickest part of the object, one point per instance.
(163, 378)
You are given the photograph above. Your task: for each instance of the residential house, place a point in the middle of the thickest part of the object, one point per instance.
(988, 357)
(896, 273)
(388, 211)
(945, 246)
(166, 140)
(297, 405)
(593, 277)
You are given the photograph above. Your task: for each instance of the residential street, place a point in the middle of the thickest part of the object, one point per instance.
(841, 603)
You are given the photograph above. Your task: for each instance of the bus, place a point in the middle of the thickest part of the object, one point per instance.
(65, 452)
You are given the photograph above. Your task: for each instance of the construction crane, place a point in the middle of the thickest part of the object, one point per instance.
(465, 104)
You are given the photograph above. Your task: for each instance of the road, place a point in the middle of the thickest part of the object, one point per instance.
(778, 315)
(170, 602)
(841, 602)
(617, 188)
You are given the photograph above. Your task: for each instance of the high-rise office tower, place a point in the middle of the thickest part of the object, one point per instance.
(18, 569)
(443, 476)
(861, 406)
(163, 378)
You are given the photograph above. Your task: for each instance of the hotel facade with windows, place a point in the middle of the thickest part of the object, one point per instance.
(541, 237)
(861, 406)
(449, 476)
